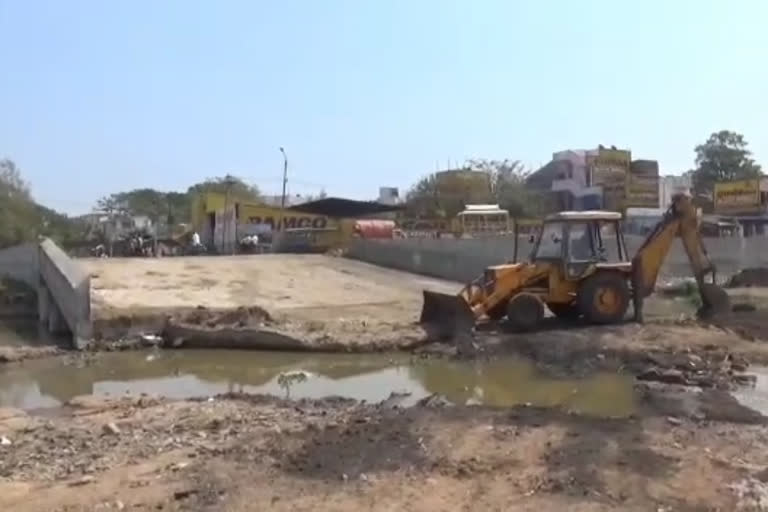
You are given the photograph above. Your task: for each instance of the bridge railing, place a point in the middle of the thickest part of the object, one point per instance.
(69, 287)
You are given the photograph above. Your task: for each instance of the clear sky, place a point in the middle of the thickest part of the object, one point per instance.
(100, 96)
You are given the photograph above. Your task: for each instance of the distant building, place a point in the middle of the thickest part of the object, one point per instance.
(114, 225)
(672, 185)
(389, 195)
(564, 182)
(602, 178)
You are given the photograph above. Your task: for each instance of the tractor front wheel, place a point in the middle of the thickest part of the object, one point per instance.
(524, 312)
(604, 298)
(498, 311)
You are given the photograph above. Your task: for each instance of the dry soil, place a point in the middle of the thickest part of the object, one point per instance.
(242, 453)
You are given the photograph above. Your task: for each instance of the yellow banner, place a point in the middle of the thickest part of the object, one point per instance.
(741, 196)
(614, 158)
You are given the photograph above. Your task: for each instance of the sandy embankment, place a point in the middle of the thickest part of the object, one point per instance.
(309, 302)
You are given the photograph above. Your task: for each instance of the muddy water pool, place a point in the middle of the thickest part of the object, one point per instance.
(47, 383)
(193, 373)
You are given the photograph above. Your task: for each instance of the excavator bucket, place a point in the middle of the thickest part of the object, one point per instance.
(445, 316)
(714, 301)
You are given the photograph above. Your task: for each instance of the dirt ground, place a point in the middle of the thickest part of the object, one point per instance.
(320, 298)
(243, 453)
(689, 446)
(310, 287)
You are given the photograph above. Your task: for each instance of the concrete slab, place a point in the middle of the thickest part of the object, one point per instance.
(298, 287)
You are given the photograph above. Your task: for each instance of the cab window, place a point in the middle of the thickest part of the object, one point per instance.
(550, 243)
(580, 244)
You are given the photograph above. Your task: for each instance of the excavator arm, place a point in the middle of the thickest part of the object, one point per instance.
(679, 221)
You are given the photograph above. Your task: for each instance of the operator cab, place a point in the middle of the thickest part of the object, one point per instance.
(579, 240)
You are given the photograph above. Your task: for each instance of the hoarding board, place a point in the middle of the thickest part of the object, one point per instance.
(737, 197)
(642, 185)
(265, 215)
(609, 169)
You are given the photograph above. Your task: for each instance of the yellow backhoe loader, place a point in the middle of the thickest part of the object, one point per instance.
(579, 267)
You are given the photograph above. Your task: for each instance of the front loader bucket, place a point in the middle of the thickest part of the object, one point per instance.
(715, 301)
(444, 316)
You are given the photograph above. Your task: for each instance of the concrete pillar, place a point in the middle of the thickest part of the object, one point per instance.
(56, 323)
(43, 303)
(81, 336)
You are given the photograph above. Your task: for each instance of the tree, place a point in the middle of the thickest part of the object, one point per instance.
(507, 183)
(422, 200)
(11, 180)
(173, 208)
(723, 157)
(155, 204)
(313, 197)
(506, 187)
(232, 185)
(23, 220)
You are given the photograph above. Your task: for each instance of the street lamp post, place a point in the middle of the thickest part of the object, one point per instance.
(285, 182)
(226, 234)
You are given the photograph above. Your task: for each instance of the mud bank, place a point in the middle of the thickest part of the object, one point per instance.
(254, 328)
(683, 352)
(10, 354)
(241, 452)
(756, 276)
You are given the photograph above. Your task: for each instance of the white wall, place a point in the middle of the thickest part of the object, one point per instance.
(464, 260)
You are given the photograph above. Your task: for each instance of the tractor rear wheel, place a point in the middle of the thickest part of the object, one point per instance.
(569, 311)
(604, 298)
(524, 311)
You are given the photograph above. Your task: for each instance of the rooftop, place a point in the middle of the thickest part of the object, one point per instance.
(585, 215)
(338, 207)
(492, 210)
(481, 207)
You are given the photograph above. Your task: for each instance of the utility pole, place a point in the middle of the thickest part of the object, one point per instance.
(229, 181)
(285, 183)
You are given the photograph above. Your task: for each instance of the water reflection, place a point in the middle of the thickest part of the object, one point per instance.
(187, 373)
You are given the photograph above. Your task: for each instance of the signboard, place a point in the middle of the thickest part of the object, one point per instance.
(609, 169)
(267, 217)
(264, 215)
(734, 197)
(642, 185)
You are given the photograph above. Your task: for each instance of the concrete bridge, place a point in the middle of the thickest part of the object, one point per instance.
(63, 287)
